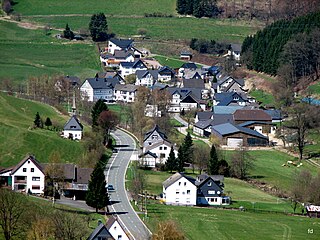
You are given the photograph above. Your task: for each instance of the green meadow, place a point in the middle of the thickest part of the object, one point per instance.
(17, 138)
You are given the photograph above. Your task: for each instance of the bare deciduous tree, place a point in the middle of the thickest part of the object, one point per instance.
(241, 163)
(168, 230)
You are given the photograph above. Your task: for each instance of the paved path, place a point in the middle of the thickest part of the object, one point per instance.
(115, 175)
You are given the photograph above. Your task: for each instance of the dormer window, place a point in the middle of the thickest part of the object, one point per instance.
(209, 184)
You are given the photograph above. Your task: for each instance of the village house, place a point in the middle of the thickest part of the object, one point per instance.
(99, 88)
(128, 68)
(180, 189)
(184, 67)
(101, 233)
(125, 92)
(73, 129)
(113, 60)
(235, 52)
(119, 44)
(146, 78)
(186, 55)
(165, 74)
(116, 229)
(203, 127)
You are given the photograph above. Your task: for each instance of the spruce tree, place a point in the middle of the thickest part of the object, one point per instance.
(213, 165)
(181, 6)
(97, 196)
(98, 27)
(180, 160)
(187, 148)
(37, 121)
(67, 33)
(171, 161)
(48, 122)
(98, 108)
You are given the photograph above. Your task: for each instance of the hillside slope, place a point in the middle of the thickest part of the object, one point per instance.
(17, 138)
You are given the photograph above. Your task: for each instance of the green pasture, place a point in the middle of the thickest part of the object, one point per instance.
(161, 28)
(263, 97)
(212, 223)
(26, 53)
(123, 7)
(17, 138)
(315, 88)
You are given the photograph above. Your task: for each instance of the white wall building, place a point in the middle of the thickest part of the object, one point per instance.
(125, 92)
(73, 129)
(116, 229)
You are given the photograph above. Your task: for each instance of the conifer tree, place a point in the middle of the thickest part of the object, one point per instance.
(171, 161)
(98, 108)
(48, 122)
(98, 27)
(187, 148)
(37, 121)
(97, 196)
(181, 6)
(67, 33)
(180, 160)
(213, 165)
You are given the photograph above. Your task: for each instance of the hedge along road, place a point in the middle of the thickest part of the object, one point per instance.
(115, 175)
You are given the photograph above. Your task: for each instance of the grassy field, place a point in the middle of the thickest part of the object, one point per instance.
(315, 88)
(263, 97)
(26, 52)
(204, 223)
(161, 28)
(17, 140)
(123, 7)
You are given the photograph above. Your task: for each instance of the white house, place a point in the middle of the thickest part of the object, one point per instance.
(119, 44)
(73, 129)
(146, 77)
(234, 51)
(113, 60)
(128, 68)
(125, 92)
(26, 176)
(99, 88)
(116, 229)
(180, 189)
(165, 74)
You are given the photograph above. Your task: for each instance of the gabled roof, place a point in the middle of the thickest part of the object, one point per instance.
(193, 83)
(228, 128)
(156, 129)
(143, 73)
(165, 69)
(27, 158)
(251, 115)
(225, 109)
(248, 123)
(175, 177)
(122, 43)
(122, 54)
(132, 64)
(222, 118)
(233, 83)
(73, 80)
(126, 87)
(274, 113)
(186, 53)
(102, 83)
(148, 153)
(73, 124)
(236, 47)
(184, 92)
(226, 98)
(190, 65)
(202, 116)
(109, 74)
(153, 146)
(98, 230)
(203, 124)
(202, 177)
(83, 175)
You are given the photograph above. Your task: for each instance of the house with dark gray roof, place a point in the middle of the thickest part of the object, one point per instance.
(146, 77)
(188, 65)
(235, 136)
(125, 92)
(101, 233)
(99, 88)
(230, 99)
(128, 68)
(117, 230)
(165, 74)
(234, 51)
(193, 83)
(73, 129)
(245, 115)
(203, 116)
(113, 60)
(275, 114)
(119, 44)
(185, 55)
(225, 109)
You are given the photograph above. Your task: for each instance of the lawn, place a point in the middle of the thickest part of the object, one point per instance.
(17, 139)
(315, 88)
(123, 7)
(27, 53)
(161, 28)
(209, 223)
(263, 97)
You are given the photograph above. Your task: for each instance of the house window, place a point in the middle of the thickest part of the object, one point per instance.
(185, 183)
(32, 169)
(165, 148)
(36, 187)
(24, 169)
(209, 184)
(119, 237)
(179, 183)
(211, 192)
(177, 200)
(188, 191)
(160, 148)
(162, 155)
(35, 178)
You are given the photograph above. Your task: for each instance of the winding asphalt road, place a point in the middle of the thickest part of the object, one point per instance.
(115, 175)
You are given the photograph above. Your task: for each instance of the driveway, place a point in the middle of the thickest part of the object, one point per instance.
(115, 175)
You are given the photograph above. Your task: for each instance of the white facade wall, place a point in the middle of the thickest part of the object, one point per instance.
(76, 135)
(124, 96)
(112, 47)
(117, 232)
(87, 90)
(146, 81)
(182, 192)
(188, 106)
(164, 78)
(34, 179)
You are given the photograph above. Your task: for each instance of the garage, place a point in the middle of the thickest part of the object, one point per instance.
(234, 142)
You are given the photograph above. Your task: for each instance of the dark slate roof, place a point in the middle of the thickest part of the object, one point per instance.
(109, 75)
(251, 115)
(143, 73)
(175, 177)
(103, 83)
(27, 158)
(226, 98)
(202, 177)
(274, 113)
(157, 129)
(165, 70)
(215, 69)
(184, 92)
(190, 65)
(121, 54)
(160, 86)
(126, 87)
(122, 43)
(148, 153)
(222, 118)
(193, 83)
(228, 128)
(236, 47)
(187, 53)
(73, 124)
(101, 229)
(225, 109)
(203, 124)
(202, 116)
(132, 64)
(248, 123)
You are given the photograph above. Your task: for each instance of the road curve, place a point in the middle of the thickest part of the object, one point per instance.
(115, 175)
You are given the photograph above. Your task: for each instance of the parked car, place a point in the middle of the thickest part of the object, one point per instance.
(110, 188)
